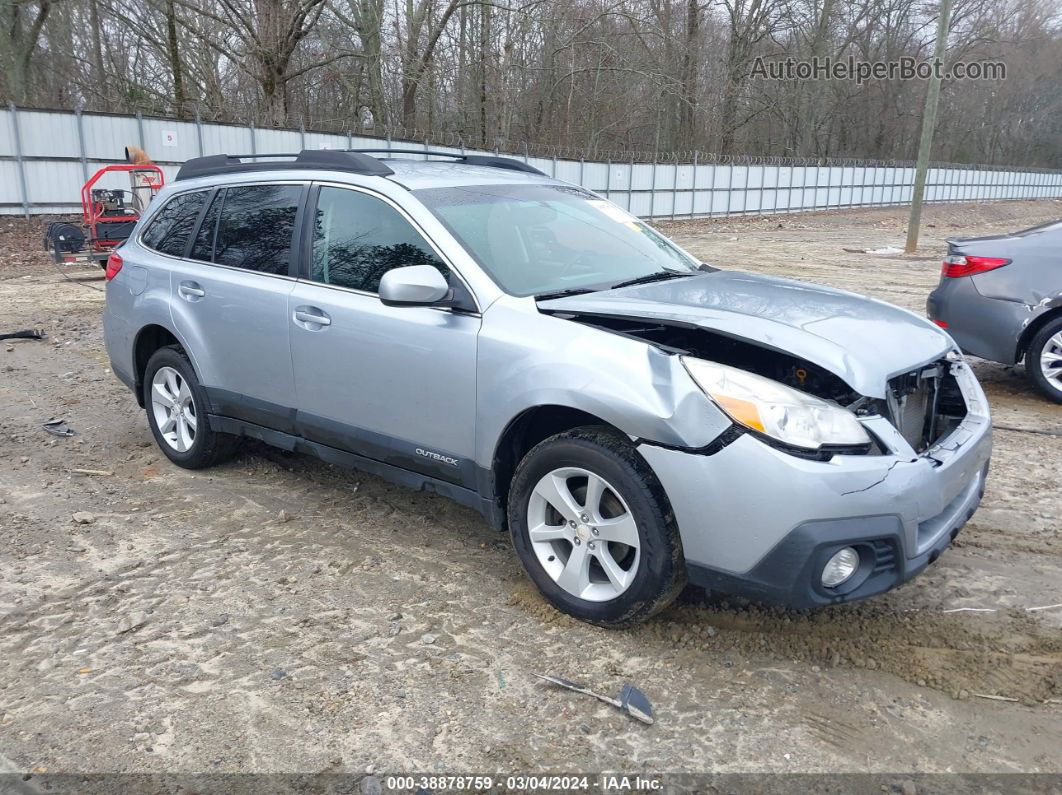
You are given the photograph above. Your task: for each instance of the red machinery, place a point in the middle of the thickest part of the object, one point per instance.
(109, 214)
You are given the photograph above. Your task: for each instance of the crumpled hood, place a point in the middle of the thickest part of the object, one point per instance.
(862, 340)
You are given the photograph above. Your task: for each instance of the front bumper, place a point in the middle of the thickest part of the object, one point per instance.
(758, 522)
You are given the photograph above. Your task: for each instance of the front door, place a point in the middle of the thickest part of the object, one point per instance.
(395, 384)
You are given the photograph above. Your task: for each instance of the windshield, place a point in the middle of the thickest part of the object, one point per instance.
(541, 239)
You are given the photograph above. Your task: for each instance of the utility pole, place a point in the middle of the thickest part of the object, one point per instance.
(929, 123)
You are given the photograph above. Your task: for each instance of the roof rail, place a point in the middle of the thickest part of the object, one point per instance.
(491, 161)
(332, 159)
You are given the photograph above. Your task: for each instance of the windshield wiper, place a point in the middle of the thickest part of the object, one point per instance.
(564, 293)
(659, 276)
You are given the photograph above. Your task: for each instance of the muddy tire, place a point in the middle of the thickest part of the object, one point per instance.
(594, 529)
(1043, 360)
(176, 408)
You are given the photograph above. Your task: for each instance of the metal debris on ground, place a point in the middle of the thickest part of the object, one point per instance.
(25, 334)
(58, 428)
(880, 250)
(631, 700)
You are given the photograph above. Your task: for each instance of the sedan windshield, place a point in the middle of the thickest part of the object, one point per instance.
(547, 239)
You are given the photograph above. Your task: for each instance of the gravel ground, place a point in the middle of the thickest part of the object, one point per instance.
(279, 615)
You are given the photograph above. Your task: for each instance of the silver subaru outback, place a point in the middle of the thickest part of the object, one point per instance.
(468, 326)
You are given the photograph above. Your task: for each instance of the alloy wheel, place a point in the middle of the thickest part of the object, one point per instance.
(584, 534)
(174, 409)
(1051, 361)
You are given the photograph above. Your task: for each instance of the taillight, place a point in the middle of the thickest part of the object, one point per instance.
(114, 264)
(941, 323)
(956, 266)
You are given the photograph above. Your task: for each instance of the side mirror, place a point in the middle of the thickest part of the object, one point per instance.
(413, 285)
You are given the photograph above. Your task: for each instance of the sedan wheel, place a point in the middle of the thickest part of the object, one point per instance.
(583, 534)
(1051, 361)
(174, 409)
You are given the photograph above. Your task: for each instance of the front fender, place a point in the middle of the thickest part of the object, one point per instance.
(527, 359)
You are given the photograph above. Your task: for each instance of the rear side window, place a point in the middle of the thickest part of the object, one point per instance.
(171, 226)
(255, 227)
(358, 238)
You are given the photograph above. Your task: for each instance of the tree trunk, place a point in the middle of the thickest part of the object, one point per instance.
(370, 22)
(688, 99)
(98, 72)
(484, 59)
(174, 54)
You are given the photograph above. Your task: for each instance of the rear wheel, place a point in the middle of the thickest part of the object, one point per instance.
(176, 410)
(594, 529)
(1043, 360)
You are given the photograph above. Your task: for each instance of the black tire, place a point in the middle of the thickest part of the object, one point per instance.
(208, 447)
(661, 568)
(1032, 360)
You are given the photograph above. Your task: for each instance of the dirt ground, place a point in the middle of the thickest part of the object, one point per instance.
(186, 624)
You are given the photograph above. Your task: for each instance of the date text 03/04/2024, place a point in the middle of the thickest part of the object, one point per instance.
(520, 783)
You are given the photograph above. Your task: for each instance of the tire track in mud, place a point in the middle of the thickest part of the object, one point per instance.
(1009, 653)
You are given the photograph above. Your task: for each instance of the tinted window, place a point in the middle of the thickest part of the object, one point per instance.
(255, 228)
(169, 230)
(203, 247)
(358, 238)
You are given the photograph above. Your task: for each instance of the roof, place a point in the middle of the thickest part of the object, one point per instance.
(418, 174)
(456, 169)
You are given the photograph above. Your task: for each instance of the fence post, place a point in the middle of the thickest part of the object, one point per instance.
(302, 136)
(199, 133)
(553, 172)
(18, 160)
(693, 187)
(608, 179)
(674, 188)
(729, 187)
(763, 182)
(81, 145)
(711, 189)
(350, 140)
(140, 129)
(630, 188)
(652, 187)
(254, 139)
(582, 169)
(745, 190)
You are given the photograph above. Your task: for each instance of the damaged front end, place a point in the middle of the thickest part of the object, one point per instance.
(924, 405)
(764, 519)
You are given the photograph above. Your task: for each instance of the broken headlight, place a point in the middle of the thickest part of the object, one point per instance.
(776, 410)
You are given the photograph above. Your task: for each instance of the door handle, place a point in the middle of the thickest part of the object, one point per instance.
(190, 291)
(309, 316)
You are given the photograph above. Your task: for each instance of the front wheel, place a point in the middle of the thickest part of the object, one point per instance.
(1043, 360)
(594, 530)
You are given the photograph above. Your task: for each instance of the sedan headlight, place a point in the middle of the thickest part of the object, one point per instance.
(774, 409)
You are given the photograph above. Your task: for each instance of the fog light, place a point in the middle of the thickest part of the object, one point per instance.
(840, 567)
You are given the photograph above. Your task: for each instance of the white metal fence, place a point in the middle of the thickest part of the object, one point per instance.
(45, 156)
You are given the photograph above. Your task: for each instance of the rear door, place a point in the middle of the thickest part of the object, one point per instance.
(230, 301)
(392, 383)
